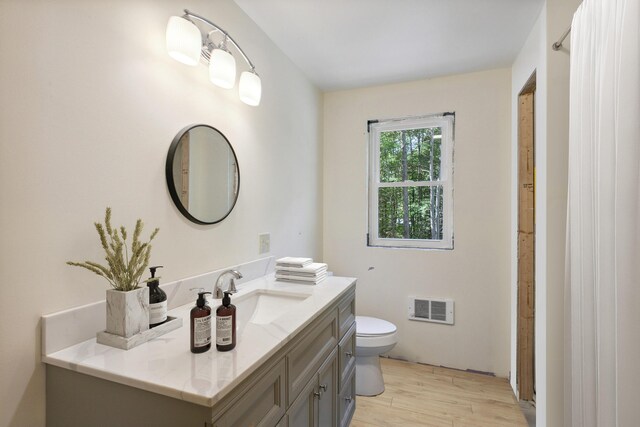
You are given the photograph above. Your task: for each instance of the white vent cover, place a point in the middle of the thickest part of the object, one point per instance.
(438, 310)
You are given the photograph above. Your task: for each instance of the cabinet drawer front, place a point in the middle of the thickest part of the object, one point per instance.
(305, 358)
(347, 400)
(262, 405)
(347, 313)
(347, 355)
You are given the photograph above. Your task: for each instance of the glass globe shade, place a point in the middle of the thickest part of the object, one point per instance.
(183, 40)
(222, 69)
(250, 88)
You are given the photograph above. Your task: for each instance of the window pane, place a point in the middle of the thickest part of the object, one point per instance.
(410, 212)
(410, 155)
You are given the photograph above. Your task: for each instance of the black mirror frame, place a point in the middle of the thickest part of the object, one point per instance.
(172, 185)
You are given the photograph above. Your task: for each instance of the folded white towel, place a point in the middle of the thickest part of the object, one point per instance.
(315, 278)
(293, 262)
(296, 274)
(312, 268)
(299, 281)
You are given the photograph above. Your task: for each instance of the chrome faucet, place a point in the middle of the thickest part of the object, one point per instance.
(232, 286)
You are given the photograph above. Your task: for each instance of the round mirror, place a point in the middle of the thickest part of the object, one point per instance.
(203, 174)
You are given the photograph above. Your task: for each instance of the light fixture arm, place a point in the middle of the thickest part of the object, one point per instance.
(228, 37)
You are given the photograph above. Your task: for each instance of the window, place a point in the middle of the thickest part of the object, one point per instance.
(411, 182)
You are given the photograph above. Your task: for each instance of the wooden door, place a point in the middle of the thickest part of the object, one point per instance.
(526, 243)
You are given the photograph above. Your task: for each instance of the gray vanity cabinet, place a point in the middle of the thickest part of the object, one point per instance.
(320, 372)
(318, 361)
(309, 382)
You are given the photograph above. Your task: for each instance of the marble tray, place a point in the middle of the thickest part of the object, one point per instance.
(104, 337)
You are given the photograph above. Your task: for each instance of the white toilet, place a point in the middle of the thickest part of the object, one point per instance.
(373, 338)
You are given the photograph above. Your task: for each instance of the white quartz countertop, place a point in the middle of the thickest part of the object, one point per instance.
(165, 365)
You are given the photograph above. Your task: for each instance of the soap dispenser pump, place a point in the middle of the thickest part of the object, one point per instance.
(226, 324)
(157, 299)
(201, 325)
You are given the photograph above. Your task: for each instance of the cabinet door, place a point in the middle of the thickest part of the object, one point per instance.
(302, 411)
(263, 405)
(328, 392)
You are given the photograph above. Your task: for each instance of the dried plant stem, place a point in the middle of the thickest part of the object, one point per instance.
(123, 270)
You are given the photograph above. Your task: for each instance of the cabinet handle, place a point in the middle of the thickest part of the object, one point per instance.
(349, 354)
(348, 399)
(322, 388)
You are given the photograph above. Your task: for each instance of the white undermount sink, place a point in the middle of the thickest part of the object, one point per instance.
(262, 306)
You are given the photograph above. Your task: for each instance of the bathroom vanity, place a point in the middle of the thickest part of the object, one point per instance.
(294, 365)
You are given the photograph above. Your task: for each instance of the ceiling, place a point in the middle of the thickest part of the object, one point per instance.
(342, 44)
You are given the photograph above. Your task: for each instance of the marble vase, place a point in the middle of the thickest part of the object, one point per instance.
(128, 312)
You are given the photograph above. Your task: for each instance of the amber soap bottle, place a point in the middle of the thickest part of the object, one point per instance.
(201, 325)
(226, 324)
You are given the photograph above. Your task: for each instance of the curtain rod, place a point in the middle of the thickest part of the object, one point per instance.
(557, 45)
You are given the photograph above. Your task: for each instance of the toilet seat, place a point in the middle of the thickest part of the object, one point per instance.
(372, 333)
(371, 326)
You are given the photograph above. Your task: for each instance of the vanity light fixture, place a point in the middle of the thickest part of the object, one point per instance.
(189, 44)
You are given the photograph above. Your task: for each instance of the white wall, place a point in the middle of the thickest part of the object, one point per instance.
(90, 105)
(552, 138)
(476, 273)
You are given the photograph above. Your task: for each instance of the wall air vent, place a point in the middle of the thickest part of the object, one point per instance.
(438, 310)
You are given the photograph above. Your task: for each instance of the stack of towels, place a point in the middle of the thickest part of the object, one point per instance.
(300, 270)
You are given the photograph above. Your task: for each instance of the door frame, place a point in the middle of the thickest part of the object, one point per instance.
(525, 342)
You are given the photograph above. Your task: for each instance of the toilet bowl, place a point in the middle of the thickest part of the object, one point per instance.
(373, 338)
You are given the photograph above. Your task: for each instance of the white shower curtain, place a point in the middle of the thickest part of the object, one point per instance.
(603, 246)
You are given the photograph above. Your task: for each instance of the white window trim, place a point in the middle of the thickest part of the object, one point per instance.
(446, 123)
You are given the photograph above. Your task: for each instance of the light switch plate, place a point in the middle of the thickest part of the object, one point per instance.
(264, 245)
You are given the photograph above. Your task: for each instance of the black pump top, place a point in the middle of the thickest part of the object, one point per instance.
(150, 281)
(226, 300)
(202, 301)
(153, 270)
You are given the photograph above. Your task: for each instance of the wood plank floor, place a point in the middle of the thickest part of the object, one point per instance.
(424, 395)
